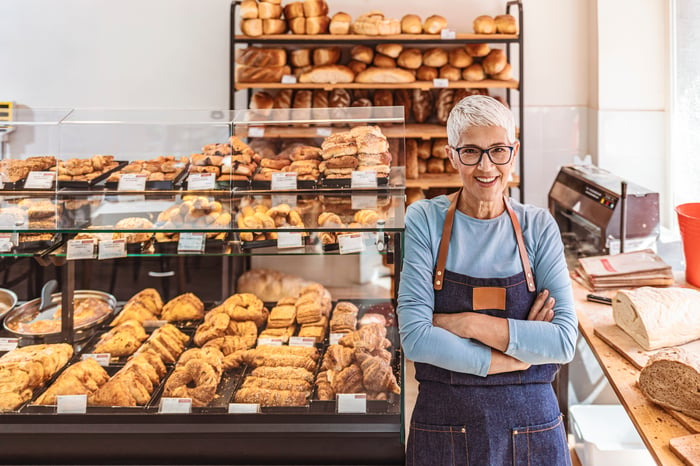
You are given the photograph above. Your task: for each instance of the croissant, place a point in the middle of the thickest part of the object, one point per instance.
(370, 337)
(81, 378)
(349, 380)
(377, 375)
(323, 387)
(338, 357)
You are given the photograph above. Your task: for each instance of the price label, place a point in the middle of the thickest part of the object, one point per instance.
(256, 132)
(80, 249)
(441, 82)
(349, 243)
(267, 341)
(287, 240)
(154, 323)
(302, 341)
(289, 199)
(448, 34)
(132, 182)
(175, 406)
(284, 181)
(201, 181)
(363, 179)
(10, 221)
(191, 243)
(289, 79)
(324, 132)
(111, 249)
(40, 180)
(6, 242)
(364, 201)
(101, 358)
(351, 402)
(334, 338)
(243, 408)
(71, 404)
(8, 344)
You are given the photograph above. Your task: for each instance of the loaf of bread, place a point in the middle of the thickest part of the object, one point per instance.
(411, 24)
(422, 105)
(484, 25)
(294, 10)
(390, 50)
(300, 57)
(383, 61)
(444, 104)
(495, 61)
(426, 73)
(357, 67)
(258, 56)
(410, 58)
(459, 58)
(671, 378)
(474, 72)
(438, 148)
(424, 149)
(411, 159)
(252, 27)
(263, 74)
(436, 165)
(340, 23)
(422, 166)
(385, 75)
(435, 57)
(315, 8)
(434, 24)
(267, 10)
(383, 98)
(317, 25)
(362, 53)
(450, 73)
(402, 98)
(505, 24)
(477, 50)
(326, 56)
(249, 9)
(658, 317)
(505, 74)
(274, 26)
(339, 98)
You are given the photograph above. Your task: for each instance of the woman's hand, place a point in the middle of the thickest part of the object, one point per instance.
(503, 363)
(543, 308)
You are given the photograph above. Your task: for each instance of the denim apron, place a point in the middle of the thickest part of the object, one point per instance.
(502, 419)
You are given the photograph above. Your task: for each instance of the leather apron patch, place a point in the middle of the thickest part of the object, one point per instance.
(488, 297)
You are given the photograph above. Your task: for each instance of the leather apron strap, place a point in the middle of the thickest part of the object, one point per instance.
(439, 274)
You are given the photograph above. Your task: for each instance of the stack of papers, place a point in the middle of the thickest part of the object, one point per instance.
(626, 270)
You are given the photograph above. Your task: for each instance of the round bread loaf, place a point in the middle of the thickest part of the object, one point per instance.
(474, 72)
(390, 50)
(411, 24)
(410, 58)
(362, 53)
(435, 57)
(434, 24)
(340, 23)
(450, 73)
(505, 74)
(426, 73)
(478, 50)
(383, 61)
(459, 58)
(505, 24)
(484, 25)
(495, 61)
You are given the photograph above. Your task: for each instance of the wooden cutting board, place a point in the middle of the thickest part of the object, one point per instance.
(687, 448)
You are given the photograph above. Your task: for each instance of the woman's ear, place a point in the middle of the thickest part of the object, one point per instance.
(451, 156)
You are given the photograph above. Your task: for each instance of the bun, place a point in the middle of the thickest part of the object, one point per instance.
(385, 75)
(297, 25)
(435, 57)
(315, 8)
(390, 50)
(252, 27)
(495, 61)
(357, 66)
(437, 150)
(444, 104)
(317, 24)
(382, 61)
(473, 72)
(294, 10)
(422, 105)
(328, 74)
(478, 50)
(434, 24)
(268, 10)
(300, 57)
(435, 165)
(410, 58)
(459, 58)
(411, 24)
(274, 26)
(340, 23)
(484, 25)
(505, 74)
(362, 53)
(249, 9)
(256, 56)
(505, 24)
(326, 56)
(450, 73)
(383, 98)
(424, 149)
(426, 73)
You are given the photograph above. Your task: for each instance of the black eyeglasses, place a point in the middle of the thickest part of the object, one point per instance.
(471, 155)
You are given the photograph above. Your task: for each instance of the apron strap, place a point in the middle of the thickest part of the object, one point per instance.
(521, 246)
(439, 275)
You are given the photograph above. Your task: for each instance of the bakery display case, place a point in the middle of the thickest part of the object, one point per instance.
(307, 56)
(285, 349)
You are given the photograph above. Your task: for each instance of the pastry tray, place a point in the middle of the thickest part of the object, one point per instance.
(267, 185)
(39, 246)
(69, 184)
(162, 185)
(272, 243)
(336, 183)
(210, 245)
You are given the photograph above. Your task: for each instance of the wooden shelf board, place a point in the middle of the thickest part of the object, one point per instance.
(486, 83)
(360, 37)
(447, 180)
(412, 130)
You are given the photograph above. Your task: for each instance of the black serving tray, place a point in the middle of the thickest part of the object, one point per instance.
(210, 245)
(162, 185)
(267, 185)
(338, 183)
(84, 185)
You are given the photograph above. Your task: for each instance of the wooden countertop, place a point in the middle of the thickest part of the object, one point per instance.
(655, 425)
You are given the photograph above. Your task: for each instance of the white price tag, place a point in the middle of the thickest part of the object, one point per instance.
(351, 402)
(132, 182)
(8, 344)
(267, 341)
(6, 243)
(289, 79)
(448, 34)
(334, 338)
(175, 406)
(154, 323)
(80, 249)
(10, 221)
(302, 341)
(243, 408)
(364, 201)
(289, 199)
(71, 404)
(256, 132)
(284, 181)
(201, 181)
(101, 358)
(40, 180)
(349, 243)
(191, 243)
(324, 132)
(111, 249)
(287, 240)
(441, 82)
(363, 179)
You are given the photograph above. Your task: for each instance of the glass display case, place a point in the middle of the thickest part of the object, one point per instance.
(278, 342)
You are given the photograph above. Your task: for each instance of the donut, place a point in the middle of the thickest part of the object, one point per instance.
(195, 372)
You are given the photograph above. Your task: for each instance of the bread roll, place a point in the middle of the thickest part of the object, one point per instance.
(435, 165)
(252, 27)
(315, 8)
(658, 317)
(505, 24)
(478, 50)
(426, 73)
(317, 24)
(402, 98)
(382, 61)
(505, 74)
(340, 23)
(300, 57)
(437, 149)
(268, 10)
(495, 61)
(671, 378)
(424, 149)
(435, 57)
(410, 58)
(411, 159)
(331, 74)
(297, 25)
(326, 56)
(434, 24)
(411, 24)
(357, 66)
(443, 104)
(422, 166)
(274, 26)
(249, 9)
(362, 53)
(266, 74)
(390, 50)
(294, 10)
(459, 58)
(385, 75)
(257, 56)
(474, 72)
(484, 25)
(383, 98)
(450, 73)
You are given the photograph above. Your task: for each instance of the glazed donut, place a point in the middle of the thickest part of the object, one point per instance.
(197, 372)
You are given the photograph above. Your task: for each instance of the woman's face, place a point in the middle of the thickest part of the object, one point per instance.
(484, 182)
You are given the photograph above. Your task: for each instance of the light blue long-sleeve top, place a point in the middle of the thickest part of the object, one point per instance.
(484, 249)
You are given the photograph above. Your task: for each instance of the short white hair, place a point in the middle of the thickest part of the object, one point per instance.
(477, 111)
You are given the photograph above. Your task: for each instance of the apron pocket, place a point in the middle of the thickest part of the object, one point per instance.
(430, 445)
(543, 444)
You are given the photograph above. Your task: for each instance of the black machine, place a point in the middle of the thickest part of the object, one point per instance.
(595, 208)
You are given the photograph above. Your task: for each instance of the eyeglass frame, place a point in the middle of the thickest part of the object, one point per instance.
(481, 156)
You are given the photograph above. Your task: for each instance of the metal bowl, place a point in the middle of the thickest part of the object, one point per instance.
(8, 301)
(28, 314)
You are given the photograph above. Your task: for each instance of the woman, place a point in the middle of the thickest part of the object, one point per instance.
(485, 308)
